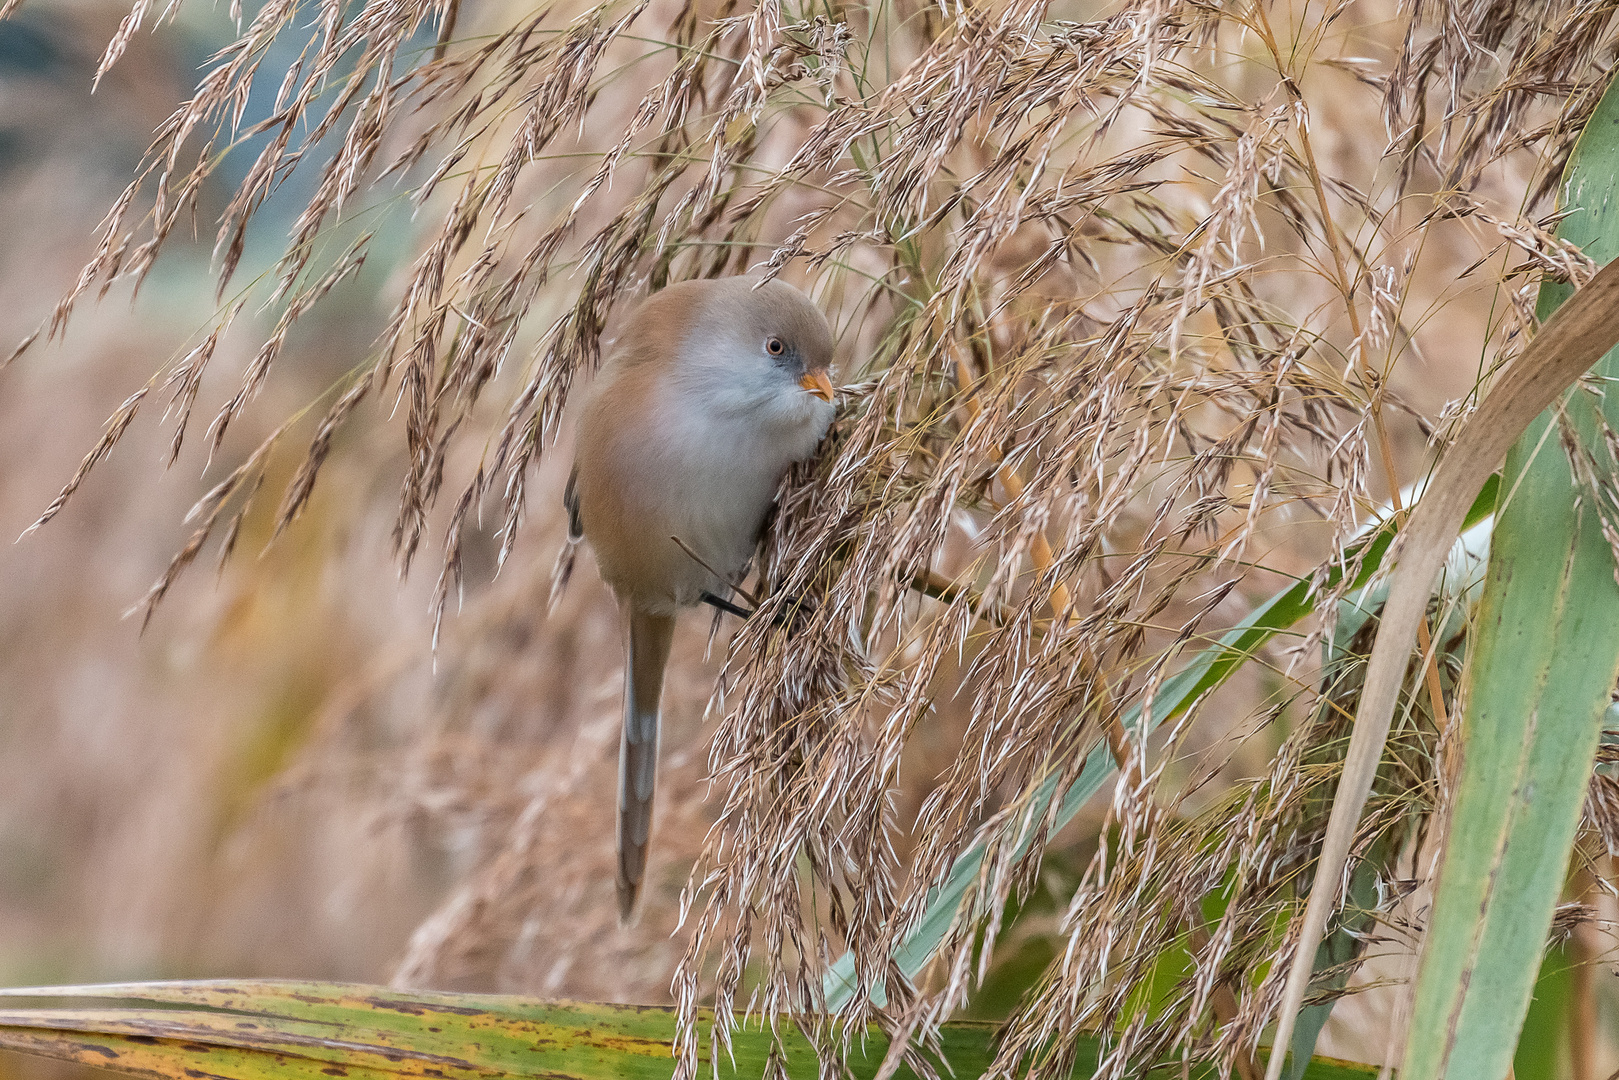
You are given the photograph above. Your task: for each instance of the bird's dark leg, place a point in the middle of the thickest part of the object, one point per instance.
(722, 604)
(781, 618)
(725, 605)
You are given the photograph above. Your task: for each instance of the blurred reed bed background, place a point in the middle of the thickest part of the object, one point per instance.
(1199, 309)
(273, 777)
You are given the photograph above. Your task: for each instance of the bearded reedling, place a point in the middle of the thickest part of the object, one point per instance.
(713, 389)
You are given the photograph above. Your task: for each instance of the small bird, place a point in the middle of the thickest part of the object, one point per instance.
(713, 389)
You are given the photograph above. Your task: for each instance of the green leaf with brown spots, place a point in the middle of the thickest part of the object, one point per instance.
(270, 1030)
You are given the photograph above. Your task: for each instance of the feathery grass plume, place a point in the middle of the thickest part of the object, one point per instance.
(1123, 327)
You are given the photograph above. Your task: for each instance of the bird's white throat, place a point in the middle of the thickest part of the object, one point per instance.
(753, 401)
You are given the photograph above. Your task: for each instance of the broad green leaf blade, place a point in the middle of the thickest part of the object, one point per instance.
(1207, 670)
(1568, 345)
(1545, 655)
(243, 1030)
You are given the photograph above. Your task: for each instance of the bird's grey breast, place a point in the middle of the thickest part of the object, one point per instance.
(735, 458)
(730, 471)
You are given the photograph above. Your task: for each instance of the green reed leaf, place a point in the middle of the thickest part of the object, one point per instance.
(1545, 656)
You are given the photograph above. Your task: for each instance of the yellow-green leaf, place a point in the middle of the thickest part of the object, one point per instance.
(245, 1030)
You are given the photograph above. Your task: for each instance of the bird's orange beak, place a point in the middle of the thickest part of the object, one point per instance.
(817, 383)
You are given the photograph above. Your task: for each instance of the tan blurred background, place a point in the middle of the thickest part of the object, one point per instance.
(273, 778)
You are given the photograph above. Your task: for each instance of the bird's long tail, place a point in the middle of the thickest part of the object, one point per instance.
(646, 651)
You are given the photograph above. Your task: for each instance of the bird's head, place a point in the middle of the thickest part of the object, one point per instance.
(793, 335)
(768, 343)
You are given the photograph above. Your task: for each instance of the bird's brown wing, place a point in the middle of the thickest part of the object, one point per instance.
(646, 651)
(562, 571)
(570, 503)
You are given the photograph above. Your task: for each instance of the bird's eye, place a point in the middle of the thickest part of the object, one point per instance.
(775, 346)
